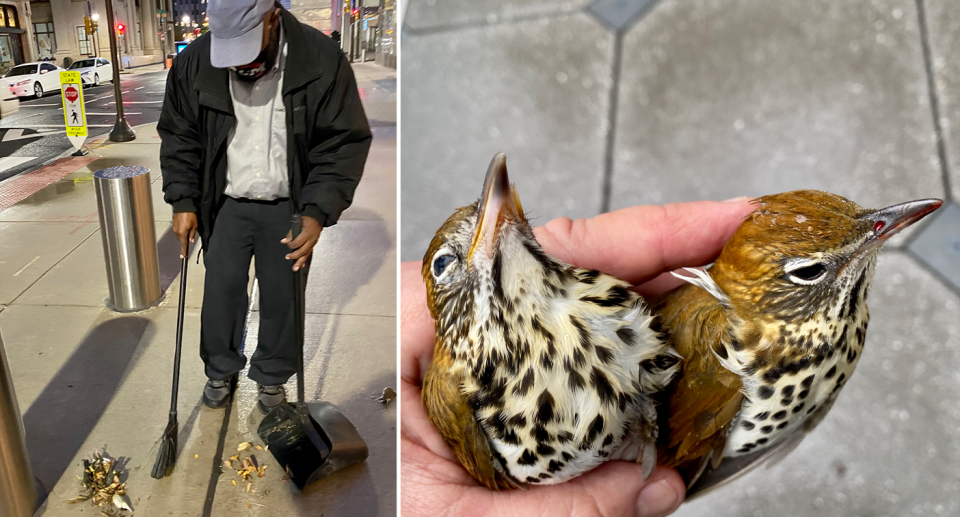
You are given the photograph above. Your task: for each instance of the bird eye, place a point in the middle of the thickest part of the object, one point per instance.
(441, 262)
(807, 274)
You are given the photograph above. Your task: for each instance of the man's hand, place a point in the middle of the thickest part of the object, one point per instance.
(185, 228)
(640, 245)
(304, 243)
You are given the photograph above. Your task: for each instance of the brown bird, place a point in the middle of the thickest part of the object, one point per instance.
(771, 332)
(541, 371)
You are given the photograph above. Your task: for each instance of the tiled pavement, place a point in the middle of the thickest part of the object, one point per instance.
(86, 377)
(605, 104)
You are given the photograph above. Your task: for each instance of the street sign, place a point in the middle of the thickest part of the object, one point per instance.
(74, 115)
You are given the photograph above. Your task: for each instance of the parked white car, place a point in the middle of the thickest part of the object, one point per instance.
(33, 79)
(93, 70)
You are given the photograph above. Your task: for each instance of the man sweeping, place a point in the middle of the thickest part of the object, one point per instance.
(261, 120)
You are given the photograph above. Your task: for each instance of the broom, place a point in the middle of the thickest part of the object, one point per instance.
(167, 455)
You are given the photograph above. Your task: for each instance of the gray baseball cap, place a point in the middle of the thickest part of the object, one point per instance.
(237, 30)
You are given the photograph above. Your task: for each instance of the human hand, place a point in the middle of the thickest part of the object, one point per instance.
(185, 228)
(304, 243)
(640, 245)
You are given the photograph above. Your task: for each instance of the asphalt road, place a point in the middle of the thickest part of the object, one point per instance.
(35, 133)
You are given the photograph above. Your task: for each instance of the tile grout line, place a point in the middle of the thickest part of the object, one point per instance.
(934, 98)
(606, 184)
(95, 230)
(938, 276)
(480, 24)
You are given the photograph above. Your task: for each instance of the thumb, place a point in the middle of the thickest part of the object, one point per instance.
(614, 488)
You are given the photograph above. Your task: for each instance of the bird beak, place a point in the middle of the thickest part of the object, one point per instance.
(888, 222)
(499, 198)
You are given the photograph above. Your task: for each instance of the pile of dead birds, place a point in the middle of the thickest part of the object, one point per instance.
(101, 486)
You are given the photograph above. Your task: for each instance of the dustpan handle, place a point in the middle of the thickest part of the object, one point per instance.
(298, 314)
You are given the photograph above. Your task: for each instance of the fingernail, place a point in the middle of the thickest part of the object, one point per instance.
(657, 499)
(740, 199)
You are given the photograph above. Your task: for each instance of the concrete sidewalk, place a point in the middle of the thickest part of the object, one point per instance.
(604, 104)
(87, 377)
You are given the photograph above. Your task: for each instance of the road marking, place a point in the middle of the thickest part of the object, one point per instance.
(9, 162)
(36, 105)
(137, 102)
(28, 265)
(17, 134)
(128, 91)
(140, 88)
(112, 114)
(34, 126)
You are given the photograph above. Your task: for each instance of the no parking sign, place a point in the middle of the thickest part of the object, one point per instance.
(74, 116)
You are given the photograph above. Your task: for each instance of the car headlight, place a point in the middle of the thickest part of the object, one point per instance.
(21, 83)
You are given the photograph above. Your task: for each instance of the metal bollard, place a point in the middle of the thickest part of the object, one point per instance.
(129, 239)
(18, 496)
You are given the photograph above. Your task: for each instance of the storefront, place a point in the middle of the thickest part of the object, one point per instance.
(386, 34)
(11, 42)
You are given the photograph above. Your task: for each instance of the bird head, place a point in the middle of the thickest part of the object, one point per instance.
(803, 254)
(481, 252)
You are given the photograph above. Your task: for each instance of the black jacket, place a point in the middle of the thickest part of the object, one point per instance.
(327, 132)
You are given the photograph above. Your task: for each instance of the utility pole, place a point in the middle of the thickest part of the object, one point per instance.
(162, 18)
(121, 132)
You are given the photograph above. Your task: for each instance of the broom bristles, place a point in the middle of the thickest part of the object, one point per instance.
(167, 455)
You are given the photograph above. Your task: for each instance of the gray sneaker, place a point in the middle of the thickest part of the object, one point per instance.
(270, 397)
(217, 392)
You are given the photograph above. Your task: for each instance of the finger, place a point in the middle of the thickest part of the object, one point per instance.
(193, 234)
(614, 488)
(416, 325)
(287, 238)
(298, 242)
(303, 251)
(302, 261)
(183, 248)
(640, 242)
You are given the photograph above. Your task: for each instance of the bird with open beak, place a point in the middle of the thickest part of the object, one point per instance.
(771, 332)
(541, 370)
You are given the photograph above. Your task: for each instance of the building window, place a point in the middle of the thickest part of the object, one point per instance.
(8, 17)
(84, 41)
(46, 40)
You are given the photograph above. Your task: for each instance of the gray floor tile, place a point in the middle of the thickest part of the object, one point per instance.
(28, 250)
(943, 20)
(620, 14)
(423, 14)
(890, 446)
(539, 92)
(354, 270)
(83, 270)
(939, 243)
(747, 97)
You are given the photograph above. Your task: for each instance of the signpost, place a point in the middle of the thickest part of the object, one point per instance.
(74, 115)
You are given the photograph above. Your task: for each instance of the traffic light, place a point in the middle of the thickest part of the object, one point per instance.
(120, 29)
(87, 25)
(356, 12)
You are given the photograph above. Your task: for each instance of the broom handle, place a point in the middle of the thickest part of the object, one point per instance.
(298, 316)
(176, 355)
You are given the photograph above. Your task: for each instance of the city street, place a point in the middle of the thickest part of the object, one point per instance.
(35, 134)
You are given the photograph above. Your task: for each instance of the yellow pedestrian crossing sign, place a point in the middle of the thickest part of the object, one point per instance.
(74, 115)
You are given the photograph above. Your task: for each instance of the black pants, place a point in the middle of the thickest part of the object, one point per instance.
(244, 229)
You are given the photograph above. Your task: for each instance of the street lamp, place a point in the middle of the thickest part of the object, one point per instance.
(96, 34)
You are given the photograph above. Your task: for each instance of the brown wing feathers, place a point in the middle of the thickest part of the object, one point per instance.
(705, 397)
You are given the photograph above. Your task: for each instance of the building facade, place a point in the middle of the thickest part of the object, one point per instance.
(53, 30)
(15, 34)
